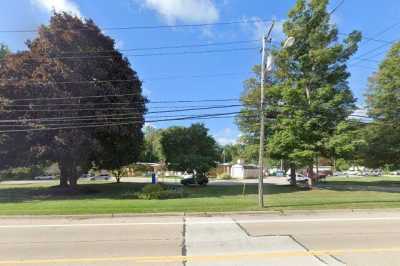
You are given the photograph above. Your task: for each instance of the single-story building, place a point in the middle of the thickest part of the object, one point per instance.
(244, 171)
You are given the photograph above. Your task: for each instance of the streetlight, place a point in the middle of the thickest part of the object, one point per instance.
(265, 68)
(289, 42)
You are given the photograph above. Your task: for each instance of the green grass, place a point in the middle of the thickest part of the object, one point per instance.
(388, 181)
(106, 198)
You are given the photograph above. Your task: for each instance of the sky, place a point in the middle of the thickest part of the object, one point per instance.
(218, 75)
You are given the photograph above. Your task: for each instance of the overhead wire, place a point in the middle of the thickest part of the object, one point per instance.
(148, 27)
(121, 109)
(206, 116)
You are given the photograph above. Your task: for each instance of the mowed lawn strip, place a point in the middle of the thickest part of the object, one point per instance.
(107, 198)
(389, 181)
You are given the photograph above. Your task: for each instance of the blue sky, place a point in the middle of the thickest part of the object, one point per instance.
(370, 17)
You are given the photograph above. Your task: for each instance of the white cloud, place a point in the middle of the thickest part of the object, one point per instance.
(119, 44)
(146, 92)
(58, 6)
(195, 11)
(226, 136)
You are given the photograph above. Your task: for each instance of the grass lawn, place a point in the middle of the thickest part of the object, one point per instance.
(388, 181)
(106, 198)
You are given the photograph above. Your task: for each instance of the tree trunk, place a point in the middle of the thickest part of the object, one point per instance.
(73, 177)
(118, 179)
(333, 165)
(64, 173)
(317, 167)
(310, 173)
(68, 173)
(293, 181)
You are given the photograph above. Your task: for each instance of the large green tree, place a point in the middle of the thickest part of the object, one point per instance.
(152, 150)
(347, 143)
(74, 61)
(308, 92)
(383, 99)
(189, 149)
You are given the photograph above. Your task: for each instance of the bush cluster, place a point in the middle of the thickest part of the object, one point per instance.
(158, 191)
(225, 177)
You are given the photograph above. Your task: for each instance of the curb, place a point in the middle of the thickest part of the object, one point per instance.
(199, 214)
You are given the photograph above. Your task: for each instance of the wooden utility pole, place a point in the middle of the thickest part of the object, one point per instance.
(266, 39)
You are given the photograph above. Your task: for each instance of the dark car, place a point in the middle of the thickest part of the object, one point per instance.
(191, 180)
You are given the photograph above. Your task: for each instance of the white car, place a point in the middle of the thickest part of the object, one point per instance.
(299, 178)
(45, 177)
(353, 173)
(84, 176)
(101, 177)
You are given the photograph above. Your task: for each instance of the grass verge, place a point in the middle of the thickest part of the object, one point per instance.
(107, 198)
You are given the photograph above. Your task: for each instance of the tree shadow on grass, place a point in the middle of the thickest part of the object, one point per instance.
(375, 186)
(127, 191)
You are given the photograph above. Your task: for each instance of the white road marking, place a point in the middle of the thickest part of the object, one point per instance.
(258, 221)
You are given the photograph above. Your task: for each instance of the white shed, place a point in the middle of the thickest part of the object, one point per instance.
(244, 171)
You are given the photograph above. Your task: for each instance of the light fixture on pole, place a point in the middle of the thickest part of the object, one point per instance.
(289, 42)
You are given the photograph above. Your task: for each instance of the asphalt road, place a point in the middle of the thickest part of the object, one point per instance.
(328, 238)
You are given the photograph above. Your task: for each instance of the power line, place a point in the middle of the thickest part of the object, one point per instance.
(149, 27)
(8, 81)
(120, 95)
(206, 116)
(385, 43)
(337, 7)
(144, 55)
(370, 51)
(368, 38)
(92, 118)
(104, 104)
(123, 109)
(180, 46)
(20, 123)
(380, 33)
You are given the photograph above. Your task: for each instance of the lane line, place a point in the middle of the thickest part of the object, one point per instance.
(311, 220)
(236, 256)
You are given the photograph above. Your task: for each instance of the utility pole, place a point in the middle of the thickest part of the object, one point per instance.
(266, 38)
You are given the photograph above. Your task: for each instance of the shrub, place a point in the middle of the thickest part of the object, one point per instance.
(158, 191)
(225, 176)
(22, 173)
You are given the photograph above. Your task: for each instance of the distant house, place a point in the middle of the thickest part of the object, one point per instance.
(244, 171)
(223, 169)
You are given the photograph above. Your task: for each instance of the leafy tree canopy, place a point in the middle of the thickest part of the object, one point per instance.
(307, 93)
(189, 149)
(383, 101)
(152, 150)
(63, 52)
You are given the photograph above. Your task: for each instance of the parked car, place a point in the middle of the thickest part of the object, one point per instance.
(84, 176)
(376, 173)
(299, 178)
(280, 173)
(323, 174)
(45, 177)
(337, 173)
(190, 180)
(352, 173)
(101, 177)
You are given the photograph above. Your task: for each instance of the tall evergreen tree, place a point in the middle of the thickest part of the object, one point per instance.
(308, 91)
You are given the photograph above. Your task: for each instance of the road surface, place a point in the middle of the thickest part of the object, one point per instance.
(327, 238)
